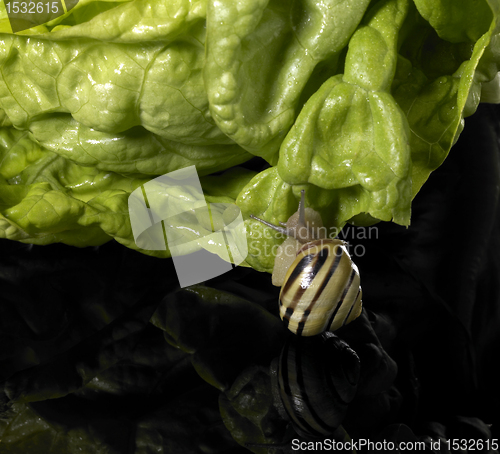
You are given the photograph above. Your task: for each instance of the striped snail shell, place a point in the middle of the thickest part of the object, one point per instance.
(314, 380)
(320, 284)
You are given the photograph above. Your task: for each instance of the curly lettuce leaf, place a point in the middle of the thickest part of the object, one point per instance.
(260, 56)
(108, 104)
(215, 327)
(457, 20)
(110, 87)
(437, 93)
(369, 138)
(184, 421)
(97, 19)
(357, 102)
(156, 396)
(135, 151)
(351, 131)
(45, 198)
(118, 341)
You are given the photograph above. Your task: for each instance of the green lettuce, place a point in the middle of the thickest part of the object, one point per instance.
(355, 101)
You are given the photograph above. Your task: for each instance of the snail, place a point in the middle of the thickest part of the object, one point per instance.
(320, 284)
(313, 382)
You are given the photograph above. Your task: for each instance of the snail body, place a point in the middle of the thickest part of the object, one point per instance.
(321, 291)
(320, 284)
(313, 382)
